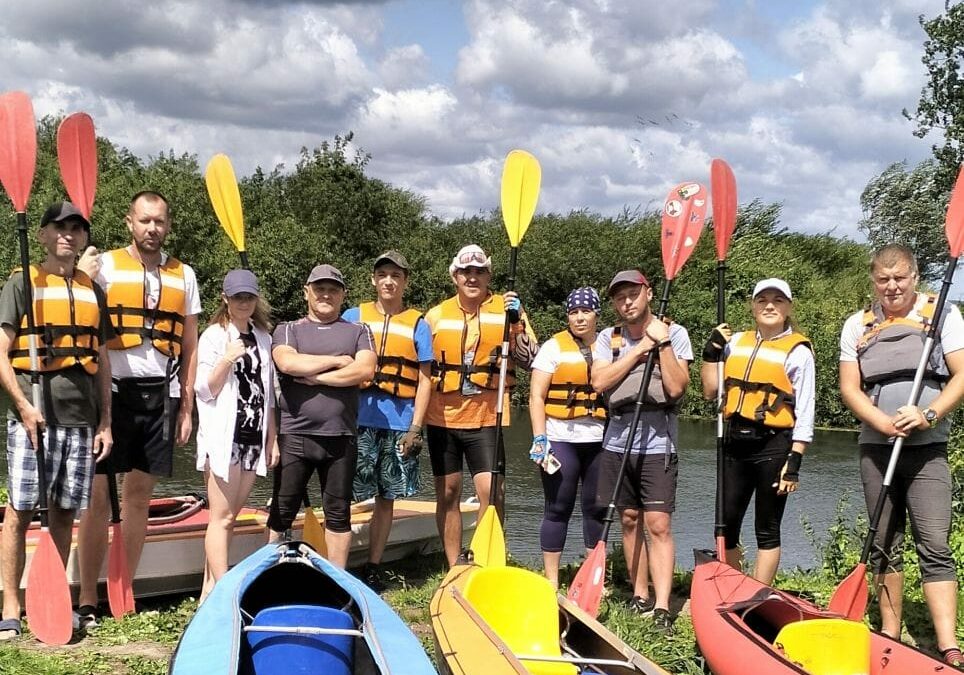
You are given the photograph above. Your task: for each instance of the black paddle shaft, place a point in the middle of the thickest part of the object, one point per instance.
(915, 393)
(112, 494)
(637, 413)
(498, 458)
(720, 526)
(35, 380)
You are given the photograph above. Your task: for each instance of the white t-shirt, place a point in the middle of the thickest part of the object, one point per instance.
(585, 429)
(144, 360)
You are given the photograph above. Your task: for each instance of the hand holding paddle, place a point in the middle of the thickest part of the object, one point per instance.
(683, 214)
(521, 179)
(48, 601)
(850, 597)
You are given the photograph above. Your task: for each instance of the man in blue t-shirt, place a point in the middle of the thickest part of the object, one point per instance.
(392, 406)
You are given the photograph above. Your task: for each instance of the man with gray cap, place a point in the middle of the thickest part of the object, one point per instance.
(322, 359)
(391, 407)
(649, 484)
(72, 329)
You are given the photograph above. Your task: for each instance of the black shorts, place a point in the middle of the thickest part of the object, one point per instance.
(447, 447)
(301, 454)
(647, 484)
(139, 439)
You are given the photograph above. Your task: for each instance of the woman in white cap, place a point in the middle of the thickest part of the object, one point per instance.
(567, 429)
(235, 402)
(768, 402)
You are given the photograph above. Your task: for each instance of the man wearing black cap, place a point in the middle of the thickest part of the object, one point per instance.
(70, 313)
(391, 408)
(322, 359)
(649, 484)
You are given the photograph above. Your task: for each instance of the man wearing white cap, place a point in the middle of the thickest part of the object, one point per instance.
(466, 342)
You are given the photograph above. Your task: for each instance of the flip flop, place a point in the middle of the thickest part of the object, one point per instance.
(10, 629)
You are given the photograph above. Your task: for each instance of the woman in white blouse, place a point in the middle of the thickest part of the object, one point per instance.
(236, 438)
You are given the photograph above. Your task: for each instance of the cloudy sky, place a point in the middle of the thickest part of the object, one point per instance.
(618, 99)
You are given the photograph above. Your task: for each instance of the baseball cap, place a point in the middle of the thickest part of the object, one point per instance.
(471, 255)
(61, 211)
(634, 277)
(393, 257)
(583, 298)
(240, 281)
(775, 284)
(326, 273)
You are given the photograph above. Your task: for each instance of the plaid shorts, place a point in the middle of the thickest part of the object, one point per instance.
(380, 469)
(70, 466)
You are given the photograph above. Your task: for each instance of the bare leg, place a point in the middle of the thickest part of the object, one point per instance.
(338, 545)
(482, 482)
(635, 549)
(135, 507)
(61, 529)
(14, 543)
(551, 560)
(662, 554)
(448, 518)
(225, 500)
(890, 591)
(381, 527)
(767, 564)
(734, 557)
(92, 540)
(941, 599)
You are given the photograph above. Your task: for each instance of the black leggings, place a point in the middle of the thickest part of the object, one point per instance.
(754, 466)
(334, 458)
(580, 464)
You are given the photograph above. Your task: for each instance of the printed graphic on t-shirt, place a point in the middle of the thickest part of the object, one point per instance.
(247, 428)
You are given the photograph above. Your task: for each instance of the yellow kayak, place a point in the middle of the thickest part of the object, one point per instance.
(508, 620)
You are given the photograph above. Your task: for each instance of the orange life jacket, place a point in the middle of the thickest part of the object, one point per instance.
(394, 337)
(66, 323)
(448, 346)
(570, 393)
(126, 303)
(755, 382)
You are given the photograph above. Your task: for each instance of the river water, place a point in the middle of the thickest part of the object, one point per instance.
(829, 471)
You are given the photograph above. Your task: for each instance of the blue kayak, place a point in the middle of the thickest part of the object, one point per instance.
(285, 609)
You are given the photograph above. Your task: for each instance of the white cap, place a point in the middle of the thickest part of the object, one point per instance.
(471, 255)
(776, 285)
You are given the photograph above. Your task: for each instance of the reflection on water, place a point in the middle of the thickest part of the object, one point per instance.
(829, 471)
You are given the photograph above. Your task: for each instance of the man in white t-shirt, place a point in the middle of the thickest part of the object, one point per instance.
(880, 349)
(153, 303)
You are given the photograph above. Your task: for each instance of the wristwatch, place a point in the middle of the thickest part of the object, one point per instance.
(931, 416)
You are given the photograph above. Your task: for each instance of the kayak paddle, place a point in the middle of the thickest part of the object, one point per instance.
(850, 597)
(521, 179)
(222, 186)
(683, 214)
(120, 592)
(723, 191)
(48, 594)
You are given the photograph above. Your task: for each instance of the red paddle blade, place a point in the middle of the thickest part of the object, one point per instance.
(954, 225)
(120, 595)
(850, 597)
(77, 156)
(18, 147)
(587, 588)
(49, 613)
(723, 187)
(683, 214)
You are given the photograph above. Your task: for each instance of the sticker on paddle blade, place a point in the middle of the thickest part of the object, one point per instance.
(684, 212)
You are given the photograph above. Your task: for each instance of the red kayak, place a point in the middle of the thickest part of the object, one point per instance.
(743, 626)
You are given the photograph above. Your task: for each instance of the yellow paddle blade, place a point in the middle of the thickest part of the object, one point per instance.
(313, 534)
(521, 178)
(488, 542)
(223, 191)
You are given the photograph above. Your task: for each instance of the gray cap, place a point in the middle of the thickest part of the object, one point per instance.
(634, 277)
(240, 281)
(61, 211)
(326, 273)
(393, 257)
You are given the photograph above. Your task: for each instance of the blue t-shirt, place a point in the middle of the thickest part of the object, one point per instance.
(379, 409)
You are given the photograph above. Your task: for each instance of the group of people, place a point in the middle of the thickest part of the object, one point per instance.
(361, 392)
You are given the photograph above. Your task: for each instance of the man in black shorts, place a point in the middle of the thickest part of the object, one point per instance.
(153, 302)
(321, 360)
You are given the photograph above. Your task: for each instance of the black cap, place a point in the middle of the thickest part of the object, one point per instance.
(393, 257)
(61, 211)
(326, 273)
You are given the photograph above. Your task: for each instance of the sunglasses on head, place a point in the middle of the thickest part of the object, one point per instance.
(472, 257)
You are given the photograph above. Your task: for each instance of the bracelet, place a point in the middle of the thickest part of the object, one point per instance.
(665, 343)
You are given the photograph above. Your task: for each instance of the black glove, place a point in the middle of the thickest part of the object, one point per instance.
(792, 474)
(713, 349)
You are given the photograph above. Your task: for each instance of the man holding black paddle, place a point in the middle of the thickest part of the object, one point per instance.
(72, 330)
